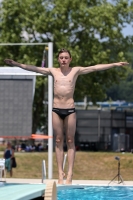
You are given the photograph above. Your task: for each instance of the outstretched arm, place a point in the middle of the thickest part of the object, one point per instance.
(32, 68)
(99, 67)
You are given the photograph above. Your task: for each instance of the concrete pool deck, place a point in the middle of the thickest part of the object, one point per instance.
(74, 182)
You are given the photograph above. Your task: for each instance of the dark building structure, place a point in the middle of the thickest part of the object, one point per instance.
(105, 130)
(16, 99)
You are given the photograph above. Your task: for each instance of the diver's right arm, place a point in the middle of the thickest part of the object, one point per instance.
(32, 68)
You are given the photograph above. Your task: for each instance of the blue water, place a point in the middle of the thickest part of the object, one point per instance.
(96, 193)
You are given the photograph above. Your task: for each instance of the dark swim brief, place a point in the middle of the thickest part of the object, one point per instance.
(63, 112)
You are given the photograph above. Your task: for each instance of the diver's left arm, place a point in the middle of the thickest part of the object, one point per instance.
(100, 67)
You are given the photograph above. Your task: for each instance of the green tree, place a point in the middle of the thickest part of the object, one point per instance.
(91, 30)
(123, 90)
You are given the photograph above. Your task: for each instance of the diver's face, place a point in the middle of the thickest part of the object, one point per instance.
(64, 59)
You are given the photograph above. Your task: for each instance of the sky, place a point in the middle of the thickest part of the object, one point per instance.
(128, 30)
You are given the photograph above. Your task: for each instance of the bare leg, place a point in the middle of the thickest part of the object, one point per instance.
(70, 128)
(59, 137)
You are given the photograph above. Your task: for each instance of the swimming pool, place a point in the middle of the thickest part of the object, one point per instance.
(95, 193)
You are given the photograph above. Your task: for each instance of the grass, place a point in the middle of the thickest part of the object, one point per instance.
(88, 165)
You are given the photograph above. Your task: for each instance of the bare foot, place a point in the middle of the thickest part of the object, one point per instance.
(61, 178)
(69, 179)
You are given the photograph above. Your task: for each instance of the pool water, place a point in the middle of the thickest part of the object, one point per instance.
(96, 193)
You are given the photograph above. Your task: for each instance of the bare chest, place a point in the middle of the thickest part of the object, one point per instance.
(62, 80)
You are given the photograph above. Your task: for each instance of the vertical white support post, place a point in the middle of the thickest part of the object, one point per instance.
(50, 102)
(64, 162)
(43, 170)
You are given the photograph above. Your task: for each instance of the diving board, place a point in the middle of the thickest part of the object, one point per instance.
(15, 191)
(21, 191)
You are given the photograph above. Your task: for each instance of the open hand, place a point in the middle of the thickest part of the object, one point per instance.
(9, 62)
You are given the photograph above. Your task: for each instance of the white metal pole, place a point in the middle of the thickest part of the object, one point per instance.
(50, 102)
(64, 162)
(43, 170)
(22, 44)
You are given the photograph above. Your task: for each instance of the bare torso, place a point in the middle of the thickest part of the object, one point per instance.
(64, 86)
